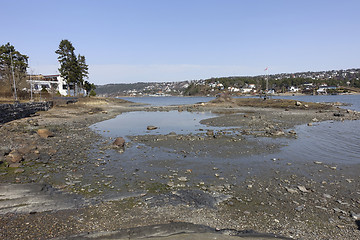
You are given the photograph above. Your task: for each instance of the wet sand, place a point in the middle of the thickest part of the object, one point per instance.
(201, 178)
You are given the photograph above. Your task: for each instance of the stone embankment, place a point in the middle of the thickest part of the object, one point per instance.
(10, 112)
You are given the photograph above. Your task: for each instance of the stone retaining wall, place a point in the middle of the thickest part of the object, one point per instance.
(9, 112)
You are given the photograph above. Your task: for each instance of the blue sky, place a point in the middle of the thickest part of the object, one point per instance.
(173, 40)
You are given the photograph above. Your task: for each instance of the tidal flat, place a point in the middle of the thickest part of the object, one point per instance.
(243, 165)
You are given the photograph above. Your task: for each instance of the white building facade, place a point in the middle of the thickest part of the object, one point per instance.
(55, 84)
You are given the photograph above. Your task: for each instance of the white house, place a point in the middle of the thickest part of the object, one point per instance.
(54, 83)
(294, 89)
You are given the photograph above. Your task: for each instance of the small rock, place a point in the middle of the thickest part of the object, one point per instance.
(14, 157)
(322, 208)
(183, 179)
(309, 124)
(210, 133)
(303, 189)
(299, 208)
(291, 190)
(19, 170)
(278, 133)
(292, 132)
(355, 216)
(14, 165)
(4, 151)
(298, 103)
(151, 127)
(327, 195)
(120, 142)
(315, 120)
(45, 133)
(339, 115)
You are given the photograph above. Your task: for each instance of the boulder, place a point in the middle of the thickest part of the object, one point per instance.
(151, 127)
(14, 157)
(44, 133)
(120, 142)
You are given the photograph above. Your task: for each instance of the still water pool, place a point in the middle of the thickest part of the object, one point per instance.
(135, 123)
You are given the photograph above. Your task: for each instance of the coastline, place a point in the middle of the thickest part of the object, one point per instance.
(295, 200)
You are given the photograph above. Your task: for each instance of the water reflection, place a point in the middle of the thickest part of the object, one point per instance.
(135, 123)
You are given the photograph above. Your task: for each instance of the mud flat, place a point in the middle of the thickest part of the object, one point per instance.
(222, 179)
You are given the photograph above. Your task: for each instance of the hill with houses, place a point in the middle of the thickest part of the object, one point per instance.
(322, 82)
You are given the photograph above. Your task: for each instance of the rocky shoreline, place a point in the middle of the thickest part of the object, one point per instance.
(149, 185)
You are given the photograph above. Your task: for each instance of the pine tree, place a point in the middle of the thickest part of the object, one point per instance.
(12, 61)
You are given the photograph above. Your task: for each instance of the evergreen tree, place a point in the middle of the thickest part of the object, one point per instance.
(72, 68)
(12, 61)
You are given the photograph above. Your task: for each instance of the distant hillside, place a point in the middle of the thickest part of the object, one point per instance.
(119, 88)
(135, 89)
(279, 82)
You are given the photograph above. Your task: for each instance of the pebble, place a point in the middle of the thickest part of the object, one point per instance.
(355, 216)
(291, 190)
(19, 170)
(300, 208)
(183, 179)
(303, 189)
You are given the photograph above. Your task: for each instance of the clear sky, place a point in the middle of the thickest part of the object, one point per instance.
(173, 40)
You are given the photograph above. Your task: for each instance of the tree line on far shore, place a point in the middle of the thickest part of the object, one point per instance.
(14, 65)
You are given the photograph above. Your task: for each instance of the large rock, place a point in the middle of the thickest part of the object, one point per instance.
(45, 133)
(120, 142)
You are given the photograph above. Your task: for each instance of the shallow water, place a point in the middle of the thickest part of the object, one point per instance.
(328, 142)
(353, 101)
(135, 123)
(168, 101)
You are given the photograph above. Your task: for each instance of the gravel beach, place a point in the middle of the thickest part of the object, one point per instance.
(60, 179)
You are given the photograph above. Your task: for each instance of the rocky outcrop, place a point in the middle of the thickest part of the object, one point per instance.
(10, 112)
